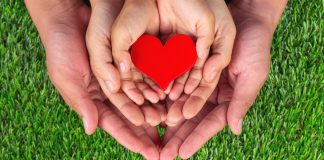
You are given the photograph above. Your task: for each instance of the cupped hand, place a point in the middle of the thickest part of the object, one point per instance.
(136, 18)
(188, 136)
(250, 64)
(63, 36)
(193, 18)
(105, 44)
(238, 87)
(213, 19)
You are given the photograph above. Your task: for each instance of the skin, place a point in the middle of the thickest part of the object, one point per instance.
(109, 39)
(108, 31)
(239, 83)
(220, 43)
(62, 27)
(62, 31)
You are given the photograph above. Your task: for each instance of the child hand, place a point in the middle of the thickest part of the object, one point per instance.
(196, 14)
(193, 18)
(100, 40)
(135, 19)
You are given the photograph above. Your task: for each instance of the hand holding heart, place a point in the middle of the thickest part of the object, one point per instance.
(113, 28)
(113, 45)
(110, 38)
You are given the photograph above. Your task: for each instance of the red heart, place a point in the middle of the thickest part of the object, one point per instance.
(165, 63)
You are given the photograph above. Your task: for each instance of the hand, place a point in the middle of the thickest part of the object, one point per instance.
(250, 64)
(238, 86)
(190, 135)
(102, 37)
(222, 38)
(193, 18)
(69, 70)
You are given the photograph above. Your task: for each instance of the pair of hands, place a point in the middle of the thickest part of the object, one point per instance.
(63, 34)
(115, 25)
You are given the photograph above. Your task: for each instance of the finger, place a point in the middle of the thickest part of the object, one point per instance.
(178, 87)
(148, 93)
(152, 116)
(98, 44)
(170, 131)
(77, 97)
(223, 42)
(198, 98)
(144, 132)
(175, 112)
(170, 150)
(156, 88)
(110, 122)
(162, 110)
(167, 91)
(195, 76)
(245, 91)
(205, 29)
(130, 89)
(127, 107)
(132, 137)
(211, 124)
(153, 133)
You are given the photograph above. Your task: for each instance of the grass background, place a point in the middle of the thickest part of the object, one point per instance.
(286, 121)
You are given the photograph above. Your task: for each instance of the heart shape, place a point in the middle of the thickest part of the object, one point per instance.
(165, 63)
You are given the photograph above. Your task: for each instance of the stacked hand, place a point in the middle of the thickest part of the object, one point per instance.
(100, 83)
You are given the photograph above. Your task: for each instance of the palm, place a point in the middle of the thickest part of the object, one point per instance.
(189, 135)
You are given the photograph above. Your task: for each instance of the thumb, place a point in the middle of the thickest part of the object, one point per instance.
(99, 45)
(127, 28)
(205, 34)
(78, 98)
(246, 89)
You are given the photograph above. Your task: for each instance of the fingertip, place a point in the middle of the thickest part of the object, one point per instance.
(202, 50)
(108, 74)
(89, 125)
(235, 125)
(151, 153)
(138, 122)
(124, 67)
(173, 96)
(211, 68)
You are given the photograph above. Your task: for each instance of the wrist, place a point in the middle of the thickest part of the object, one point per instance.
(46, 13)
(266, 11)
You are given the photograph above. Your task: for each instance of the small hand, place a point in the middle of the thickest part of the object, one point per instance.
(101, 42)
(187, 106)
(193, 18)
(135, 19)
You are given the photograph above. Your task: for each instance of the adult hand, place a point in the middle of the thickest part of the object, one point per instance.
(62, 31)
(106, 43)
(189, 135)
(238, 86)
(222, 38)
(248, 70)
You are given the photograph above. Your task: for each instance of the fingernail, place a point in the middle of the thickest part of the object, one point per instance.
(239, 125)
(85, 125)
(122, 67)
(110, 86)
(212, 76)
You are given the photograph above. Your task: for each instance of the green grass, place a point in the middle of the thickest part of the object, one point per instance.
(286, 121)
